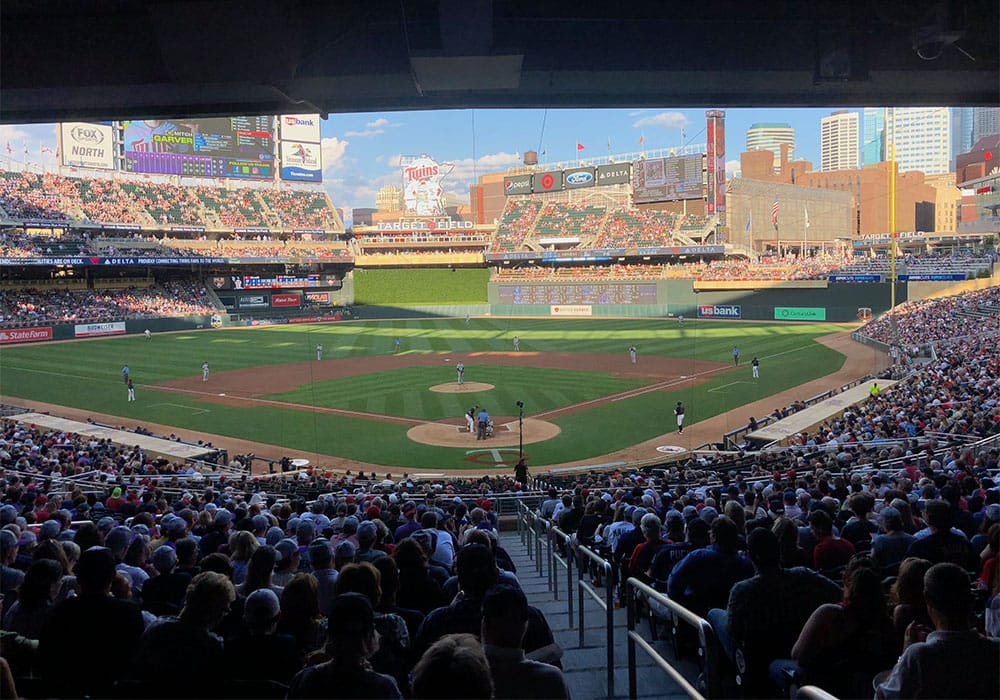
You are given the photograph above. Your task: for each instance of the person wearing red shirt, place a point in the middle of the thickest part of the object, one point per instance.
(830, 552)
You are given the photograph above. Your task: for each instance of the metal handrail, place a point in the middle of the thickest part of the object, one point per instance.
(708, 645)
(811, 692)
(567, 563)
(608, 604)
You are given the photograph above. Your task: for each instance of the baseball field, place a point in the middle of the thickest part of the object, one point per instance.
(369, 401)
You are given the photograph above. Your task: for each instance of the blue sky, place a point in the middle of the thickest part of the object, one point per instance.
(361, 150)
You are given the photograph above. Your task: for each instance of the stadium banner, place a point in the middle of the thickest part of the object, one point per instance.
(91, 330)
(318, 297)
(614, 174)
(309, 231)
(301, 162)
(720, 311)
(81, 260)
(121, 227)
(265, 321)
(605, 253)
(248, 301)
(716, 165)
(575, 178)
(422, 191)
(86, 145)
(551, 181)
(517, 184)
(315, 319)
(799, 313)
(571, 310)
(28, 223)
(855, 278)
(286, 300)
(25, 335)
(253, 230)
(187, 229)
(941, 277)
(299, 127)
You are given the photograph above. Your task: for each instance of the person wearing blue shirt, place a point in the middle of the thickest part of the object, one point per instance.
(703, 579)
(484, 420)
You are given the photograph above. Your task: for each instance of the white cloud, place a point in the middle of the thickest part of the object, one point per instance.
(12, 133)
(667, 120)
(333, 153)
(733, 168)
(637, 112)
(366, 134)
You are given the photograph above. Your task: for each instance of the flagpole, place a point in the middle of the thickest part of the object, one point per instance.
(805, 233)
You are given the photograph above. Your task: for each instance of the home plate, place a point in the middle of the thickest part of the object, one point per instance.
(221, 394)
(447, 359)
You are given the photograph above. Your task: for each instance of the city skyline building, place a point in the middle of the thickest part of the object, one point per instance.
(839, 140)
(769, 136)
(873, 135)
(919, 138)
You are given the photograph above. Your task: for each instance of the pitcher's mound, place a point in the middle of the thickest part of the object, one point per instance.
(466, 388)
(504, 434)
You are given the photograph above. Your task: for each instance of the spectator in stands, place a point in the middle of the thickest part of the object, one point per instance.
(261, 654)
(300, 615)
(477, 573)
(843, 645)
(37, 593)
(766, 612)
(830, 552)
(889, 549)
(182, 652)
(242, 545)
(417, 590)
(351, 640)
(505, 622)
(11, 578)
(321, 560)
(259, 572)
(859, 530)
(952, 661)
(164, 593)
(453, 667)
(907, 596)
(113, 629)
(942, 545)
(681, 544)
(642, 555)
(704, 578)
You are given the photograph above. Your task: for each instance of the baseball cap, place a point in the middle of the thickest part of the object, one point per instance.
(345, 550)
(286, 548)
(164, 558)
(261, 607)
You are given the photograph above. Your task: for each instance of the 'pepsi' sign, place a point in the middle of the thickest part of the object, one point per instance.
(720, 311)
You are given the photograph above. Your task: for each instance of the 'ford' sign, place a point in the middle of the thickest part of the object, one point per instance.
(580, 178)
(720, 311)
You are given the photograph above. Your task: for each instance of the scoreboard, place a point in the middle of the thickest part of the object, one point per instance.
(550, 294)
(668, 179)
(236, 147)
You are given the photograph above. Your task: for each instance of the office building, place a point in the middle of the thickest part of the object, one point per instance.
(873, 136)
(769, 136)
(839, 141)
(921, 139)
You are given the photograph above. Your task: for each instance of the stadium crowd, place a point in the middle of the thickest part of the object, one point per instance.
(33, 307)
(53, 197)
(935, 320)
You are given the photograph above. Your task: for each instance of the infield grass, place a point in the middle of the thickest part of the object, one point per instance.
(87, 375)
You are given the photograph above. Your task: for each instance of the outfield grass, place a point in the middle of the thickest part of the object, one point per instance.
(87, 375)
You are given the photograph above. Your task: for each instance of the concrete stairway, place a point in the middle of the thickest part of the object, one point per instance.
(585, 666)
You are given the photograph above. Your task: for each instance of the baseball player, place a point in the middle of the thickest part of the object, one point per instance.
(131, 390)
(125, 371)
(755, 366)
(680, 319)
(204, 371)
(460, 368)
(468, 319)
(470, 419)
(319, 352)
(736, 355)
(397, 344)
(632, 353)
(679, 412)
(517, 344)
(147, 334)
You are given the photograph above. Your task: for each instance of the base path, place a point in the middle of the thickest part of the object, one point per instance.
(860, 360)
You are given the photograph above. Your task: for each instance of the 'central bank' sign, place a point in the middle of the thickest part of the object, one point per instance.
(720, 311)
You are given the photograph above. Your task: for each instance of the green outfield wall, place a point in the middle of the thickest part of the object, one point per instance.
(421, 286)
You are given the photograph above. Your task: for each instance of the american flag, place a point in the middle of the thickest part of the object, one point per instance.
(774, 213)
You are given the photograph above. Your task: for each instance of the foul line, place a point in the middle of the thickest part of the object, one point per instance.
(194, 411)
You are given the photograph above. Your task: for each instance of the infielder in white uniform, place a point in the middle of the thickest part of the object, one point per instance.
(755, 365)
(131, 390)
(517, 344)
(679, 412)
(470, 419)
(319, 353)
(632, 353)
(460, 368)
(147, 334)
(204, 371)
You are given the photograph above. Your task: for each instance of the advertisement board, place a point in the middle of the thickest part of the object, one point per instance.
(715, 129)
(614, 174)
(235, 147)
(720, 311)
(301, 162)
(318, 297)
(517, 184)
(92, 330)
(422, 191)
(286, 300)
(551, 181)
(575, 178)
(668, 179)
(799, 313)
(248, 301)
(87, 145)
(25, 335)
(299, 127)
(571, 310)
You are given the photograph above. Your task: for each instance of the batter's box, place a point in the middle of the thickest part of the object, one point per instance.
(194, 411)
(723, 386)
